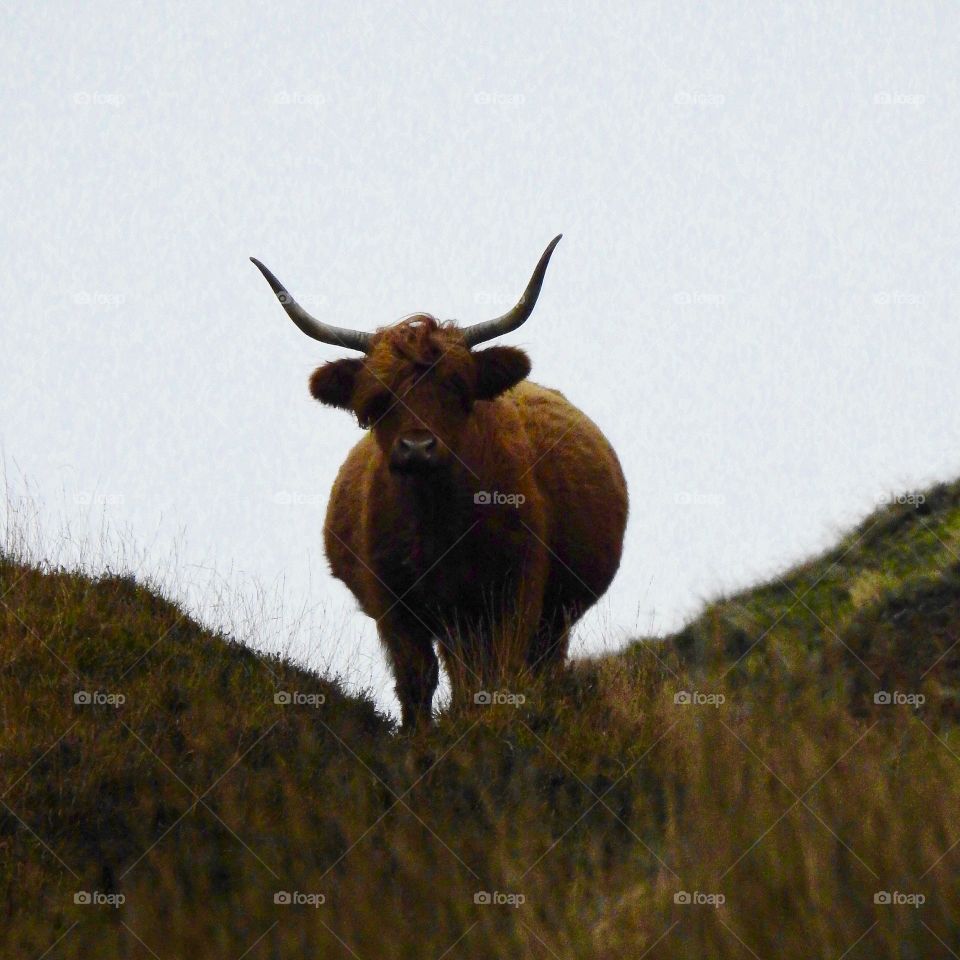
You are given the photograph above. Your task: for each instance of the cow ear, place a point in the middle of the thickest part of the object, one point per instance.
(333, 383)
(499, 369)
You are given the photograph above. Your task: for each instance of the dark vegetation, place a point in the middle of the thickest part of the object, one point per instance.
(814, 769)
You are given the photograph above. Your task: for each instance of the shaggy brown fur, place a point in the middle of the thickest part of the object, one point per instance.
(427, 555)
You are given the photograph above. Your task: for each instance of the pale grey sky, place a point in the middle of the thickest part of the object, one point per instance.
(755, 296)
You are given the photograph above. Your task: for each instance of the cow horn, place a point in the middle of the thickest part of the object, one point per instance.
(338, 336)
(488, 329)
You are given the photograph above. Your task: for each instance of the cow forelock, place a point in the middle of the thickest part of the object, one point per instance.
(421, 343)
(418, 375)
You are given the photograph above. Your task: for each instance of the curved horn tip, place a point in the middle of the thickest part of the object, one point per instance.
(551, 246)
(324, 332)
(481, 332)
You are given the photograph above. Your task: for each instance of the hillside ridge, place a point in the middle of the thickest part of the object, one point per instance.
(166, 791)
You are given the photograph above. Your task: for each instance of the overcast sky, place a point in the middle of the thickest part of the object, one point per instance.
(755, 297)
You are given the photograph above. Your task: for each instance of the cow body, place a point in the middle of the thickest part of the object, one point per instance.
(482, 512)
(497, 561)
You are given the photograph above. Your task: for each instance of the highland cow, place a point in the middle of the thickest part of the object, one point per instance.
(481, 512)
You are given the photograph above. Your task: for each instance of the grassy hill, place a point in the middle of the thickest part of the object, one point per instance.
(737, 790)
(880, 612)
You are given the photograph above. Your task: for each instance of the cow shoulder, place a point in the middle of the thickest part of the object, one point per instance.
(569, 447)
(344, 527)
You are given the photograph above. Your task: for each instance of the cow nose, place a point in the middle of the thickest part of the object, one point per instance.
(416, 450)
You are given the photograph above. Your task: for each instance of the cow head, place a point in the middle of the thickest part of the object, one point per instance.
(418, 380)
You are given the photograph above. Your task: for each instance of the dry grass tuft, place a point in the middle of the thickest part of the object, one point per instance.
(736, 791)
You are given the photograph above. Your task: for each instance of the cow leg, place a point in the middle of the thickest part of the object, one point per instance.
(460, 659)
(565, 603)
(549, 647)
(415, 669)
(519, 627)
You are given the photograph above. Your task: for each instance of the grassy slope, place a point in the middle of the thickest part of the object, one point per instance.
(796, 799)
(878, 612)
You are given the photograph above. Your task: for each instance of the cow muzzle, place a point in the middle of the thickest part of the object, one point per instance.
(415, 453)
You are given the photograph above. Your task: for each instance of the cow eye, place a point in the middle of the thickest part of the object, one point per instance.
(378, 407)
(455, 387)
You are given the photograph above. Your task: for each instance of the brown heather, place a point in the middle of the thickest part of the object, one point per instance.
(782, 799)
